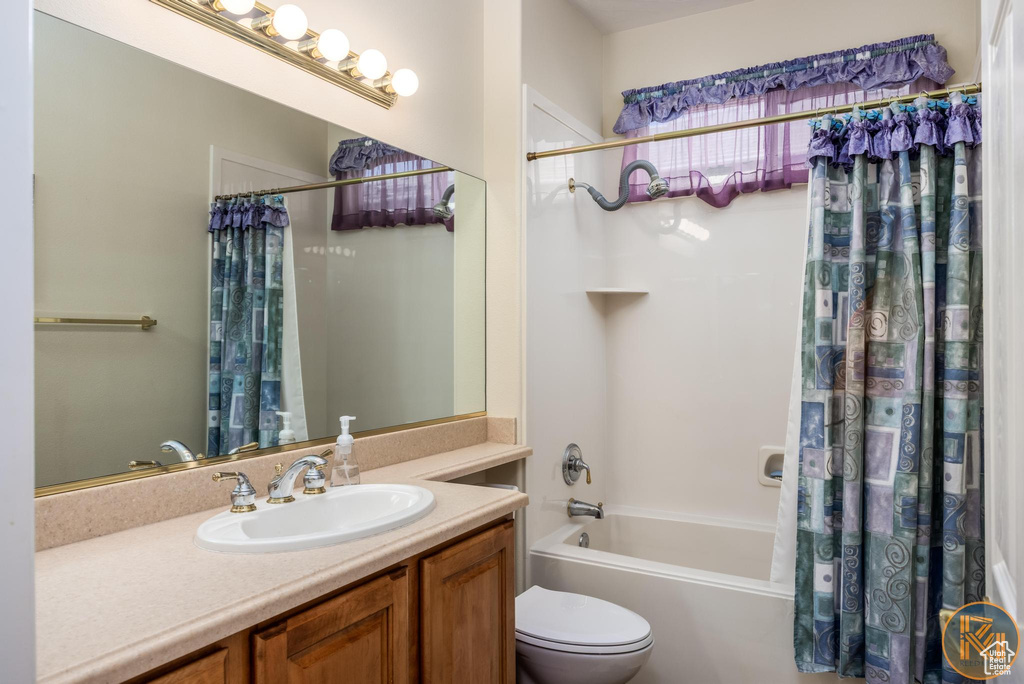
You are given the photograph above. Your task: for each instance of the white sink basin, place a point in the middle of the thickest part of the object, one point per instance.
(342, 514)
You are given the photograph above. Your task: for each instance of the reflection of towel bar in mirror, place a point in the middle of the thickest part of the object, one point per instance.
(145, 321)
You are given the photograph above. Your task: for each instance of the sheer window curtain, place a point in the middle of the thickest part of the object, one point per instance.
(397, 201)
(718, 167)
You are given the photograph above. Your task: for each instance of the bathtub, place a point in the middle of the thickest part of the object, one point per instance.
(702, 583)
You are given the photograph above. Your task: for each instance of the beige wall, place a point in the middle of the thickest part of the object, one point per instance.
(562, 58)
(503, 168)
(766, 31)
(126, 196)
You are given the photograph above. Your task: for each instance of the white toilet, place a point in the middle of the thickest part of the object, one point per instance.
(564, 638)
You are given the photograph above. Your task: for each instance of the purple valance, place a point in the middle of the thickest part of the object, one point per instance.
(868, 67)
(247, 213)
(883, 134)
(359, 154)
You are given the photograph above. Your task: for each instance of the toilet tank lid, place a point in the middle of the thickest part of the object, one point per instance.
(577, 619)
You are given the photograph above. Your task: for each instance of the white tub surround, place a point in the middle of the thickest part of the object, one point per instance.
(702, 584)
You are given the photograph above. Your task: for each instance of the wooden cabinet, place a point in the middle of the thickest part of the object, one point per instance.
(445, 616)
(224, 662)
(358, 637)
(467, 606)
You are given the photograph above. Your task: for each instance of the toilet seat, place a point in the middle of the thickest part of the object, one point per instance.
(574, 623)
(584, 648)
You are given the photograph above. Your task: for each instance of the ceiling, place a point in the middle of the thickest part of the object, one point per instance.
(610, 16)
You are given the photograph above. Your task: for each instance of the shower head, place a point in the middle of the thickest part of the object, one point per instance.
(444, 209)
(657, 187)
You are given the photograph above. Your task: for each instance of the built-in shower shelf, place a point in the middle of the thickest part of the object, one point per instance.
(617, 291)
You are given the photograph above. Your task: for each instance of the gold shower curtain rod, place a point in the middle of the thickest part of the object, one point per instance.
(336, 183)
(966, 89)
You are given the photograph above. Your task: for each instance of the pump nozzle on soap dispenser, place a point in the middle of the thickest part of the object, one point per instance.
(346, 470)
(287, 435)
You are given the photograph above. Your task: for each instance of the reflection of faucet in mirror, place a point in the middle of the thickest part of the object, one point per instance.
(251, 446)
(445, 209)
(184, 453)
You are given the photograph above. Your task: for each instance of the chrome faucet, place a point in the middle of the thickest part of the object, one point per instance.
(184, 453)
(243, 496)
(583, 508)
(280, 488)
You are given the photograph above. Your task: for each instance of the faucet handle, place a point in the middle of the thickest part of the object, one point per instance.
(572, 464)
(278, 468)
(243, 496)
(315, 480)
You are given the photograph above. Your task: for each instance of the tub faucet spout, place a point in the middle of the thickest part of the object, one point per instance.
(583, 508)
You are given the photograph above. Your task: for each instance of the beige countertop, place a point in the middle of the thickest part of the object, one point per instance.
(115, 606)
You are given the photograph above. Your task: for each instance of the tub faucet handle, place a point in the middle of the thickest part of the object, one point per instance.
(573, 464)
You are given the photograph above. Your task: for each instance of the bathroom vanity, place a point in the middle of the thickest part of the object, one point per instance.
(428, 601)
(444, 615)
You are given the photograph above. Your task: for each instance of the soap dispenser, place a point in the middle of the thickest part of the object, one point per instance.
(287, 435)
(346, 470)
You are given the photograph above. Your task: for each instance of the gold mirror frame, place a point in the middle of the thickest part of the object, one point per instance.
(215, 460)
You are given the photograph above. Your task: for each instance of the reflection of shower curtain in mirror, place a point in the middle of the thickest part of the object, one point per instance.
(888, 493)
(246, 322)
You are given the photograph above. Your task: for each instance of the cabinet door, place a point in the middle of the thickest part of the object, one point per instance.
(210, 669)
(359, 637)
(468, 610)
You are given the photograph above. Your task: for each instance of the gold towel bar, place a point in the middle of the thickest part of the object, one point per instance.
(146, 322)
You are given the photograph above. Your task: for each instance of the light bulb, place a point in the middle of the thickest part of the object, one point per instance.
(372, 64)
(238, 7)
(333, 45)
(290, 22)
(405, 82)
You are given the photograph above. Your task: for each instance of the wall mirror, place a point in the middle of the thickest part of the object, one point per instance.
(174, 329)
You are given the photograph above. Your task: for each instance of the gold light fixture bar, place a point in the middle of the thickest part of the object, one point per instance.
(336, 183)
(209, 16)
(968, 89)
(146, 322)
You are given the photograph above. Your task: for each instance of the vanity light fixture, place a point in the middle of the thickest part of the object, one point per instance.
(371, 64)
(284, 33)
(239, 7)
(332, 45)
(287, 21)
(403, 82)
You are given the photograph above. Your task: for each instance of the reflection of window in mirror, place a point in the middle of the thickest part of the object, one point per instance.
(275, 310)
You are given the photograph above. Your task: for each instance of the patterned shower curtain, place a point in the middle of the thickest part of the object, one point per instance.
(889, 512)
(246, 322)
